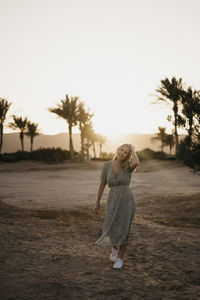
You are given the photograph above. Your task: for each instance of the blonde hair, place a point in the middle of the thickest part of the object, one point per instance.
(127, 160)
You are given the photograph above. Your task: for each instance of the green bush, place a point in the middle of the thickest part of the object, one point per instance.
(8, 157)
(22, 155)
(159, 155)
(16, 156)
(190, 156)
(42, 154)
(50, 154)
(147, 154)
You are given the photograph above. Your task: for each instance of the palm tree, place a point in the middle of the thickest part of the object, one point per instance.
(170, 93)
(196, 120)
(4, 107)
(101, 140)
(87, 135)
(94, 140)
(191, 111)
(169, 141)
(19, 123)
(160, 136)
(83, 118)
(31, 131)
(68, 110)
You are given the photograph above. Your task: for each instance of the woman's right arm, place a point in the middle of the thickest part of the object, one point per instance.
(135, 160)
(99, 195)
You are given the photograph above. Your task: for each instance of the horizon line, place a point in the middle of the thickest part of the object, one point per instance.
(77, 133)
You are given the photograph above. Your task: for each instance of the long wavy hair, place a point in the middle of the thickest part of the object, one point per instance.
(127, 160)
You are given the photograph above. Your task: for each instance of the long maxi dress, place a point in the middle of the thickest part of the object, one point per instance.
(120, 208)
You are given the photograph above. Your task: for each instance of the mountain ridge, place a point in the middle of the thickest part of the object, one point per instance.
(11, 142)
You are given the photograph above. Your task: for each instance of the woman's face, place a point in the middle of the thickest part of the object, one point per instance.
(123, 152)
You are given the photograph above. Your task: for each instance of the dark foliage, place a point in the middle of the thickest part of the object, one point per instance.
(147, 154)
(43, 154)
(100, 159)
(190, 156)
(50, 154)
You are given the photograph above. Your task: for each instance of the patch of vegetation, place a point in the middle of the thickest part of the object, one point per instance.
(190, 156)
(42, 154)
(147, 154)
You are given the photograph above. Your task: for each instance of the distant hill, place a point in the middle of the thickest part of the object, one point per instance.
(140, 141)
(11, 142)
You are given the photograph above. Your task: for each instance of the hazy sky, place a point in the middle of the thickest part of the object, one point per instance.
(110, 53)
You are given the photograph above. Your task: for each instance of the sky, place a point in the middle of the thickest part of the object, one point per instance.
(112, 54)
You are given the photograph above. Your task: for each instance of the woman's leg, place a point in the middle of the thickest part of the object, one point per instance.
(119, 262)
(122, 250)
(113, 253)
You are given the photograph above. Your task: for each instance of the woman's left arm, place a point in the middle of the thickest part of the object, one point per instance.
(135, 161)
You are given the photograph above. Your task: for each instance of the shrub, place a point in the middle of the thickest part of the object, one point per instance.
(189, 156)
(147, 154)
(22, 155)
(8, 157)
(16, 156)
(50, 154)
(42, 154)
(159, 155)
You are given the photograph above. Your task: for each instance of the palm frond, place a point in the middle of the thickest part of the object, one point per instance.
(4, 107)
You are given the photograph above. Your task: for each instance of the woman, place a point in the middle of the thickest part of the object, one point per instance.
(121, 206)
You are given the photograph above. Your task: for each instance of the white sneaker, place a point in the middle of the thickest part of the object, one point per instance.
(113, 254)
(118, 264)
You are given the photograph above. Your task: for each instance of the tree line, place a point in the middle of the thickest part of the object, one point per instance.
(185, 104)
(25, 126)
(73, 111)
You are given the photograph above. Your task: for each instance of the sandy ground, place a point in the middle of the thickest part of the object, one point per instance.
(47, 231)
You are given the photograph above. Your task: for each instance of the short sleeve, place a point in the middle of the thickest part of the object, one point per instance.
(130, 169)
(103, 177)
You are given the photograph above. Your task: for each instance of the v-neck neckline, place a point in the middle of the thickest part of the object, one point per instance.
(115, 175)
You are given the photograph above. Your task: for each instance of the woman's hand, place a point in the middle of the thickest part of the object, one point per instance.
(132, 148)
(97, 207)
(100, 192)
(135, 161)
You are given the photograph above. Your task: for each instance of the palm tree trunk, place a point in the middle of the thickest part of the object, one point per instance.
(71, 148)
(176, 139)
(82, 143)
(94, 150)
(82, 147)
(88, 155)
(190, 131)
(21, 135)
(1, 136)
(162, 146)
(175, 127)
(31, 148)
(100, 149)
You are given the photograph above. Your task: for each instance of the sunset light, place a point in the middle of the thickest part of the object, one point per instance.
(112, 55)
(99, 149)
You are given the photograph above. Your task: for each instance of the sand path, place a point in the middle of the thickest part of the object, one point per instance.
(46, 238)
(41, 186)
